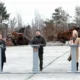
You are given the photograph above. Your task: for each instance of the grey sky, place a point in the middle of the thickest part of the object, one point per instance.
(26, 8)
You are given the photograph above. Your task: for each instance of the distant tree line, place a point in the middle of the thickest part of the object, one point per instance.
(52, 29)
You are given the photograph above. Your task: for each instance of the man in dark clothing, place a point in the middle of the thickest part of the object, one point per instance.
(38, 39)
(3, 49)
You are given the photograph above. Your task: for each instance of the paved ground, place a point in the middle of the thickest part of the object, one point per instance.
(56, 67)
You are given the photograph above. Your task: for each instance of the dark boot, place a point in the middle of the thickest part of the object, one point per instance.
(41, 66)
(69, 58)
(77, 65)
(41, 69)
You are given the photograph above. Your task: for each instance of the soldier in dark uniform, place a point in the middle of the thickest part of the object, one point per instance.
(39, 39)
(3, 49)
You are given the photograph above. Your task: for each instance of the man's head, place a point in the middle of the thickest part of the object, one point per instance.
(38, 32)
(0, 36)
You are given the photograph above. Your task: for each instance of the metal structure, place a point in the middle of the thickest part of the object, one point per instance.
(35, 59)
(0, 60)
(73, 56)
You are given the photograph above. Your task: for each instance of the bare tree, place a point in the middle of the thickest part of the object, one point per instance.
(19, 21)
(77, 16)
(28, 32)
(39, 22)
(12, 23)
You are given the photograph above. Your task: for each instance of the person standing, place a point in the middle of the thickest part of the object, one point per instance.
(39, 39)
(75, 40)
(3, 49)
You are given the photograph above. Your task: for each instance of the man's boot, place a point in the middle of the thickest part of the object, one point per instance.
(69, 58)
(41, 66)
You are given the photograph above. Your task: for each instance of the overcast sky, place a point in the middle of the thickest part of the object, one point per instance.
(27, 8)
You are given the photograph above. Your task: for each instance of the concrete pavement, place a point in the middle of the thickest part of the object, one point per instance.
(56, 67)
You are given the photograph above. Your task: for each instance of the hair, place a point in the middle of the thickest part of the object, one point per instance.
(75, 32)
(38, 30)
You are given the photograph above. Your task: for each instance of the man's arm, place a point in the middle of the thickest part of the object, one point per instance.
(4, 45)
(44, 42)
(32, 41)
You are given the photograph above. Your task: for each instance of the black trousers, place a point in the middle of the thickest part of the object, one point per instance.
(41, 60)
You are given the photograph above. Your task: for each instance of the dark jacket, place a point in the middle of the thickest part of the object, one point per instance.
(39, 40)
(3, 49)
